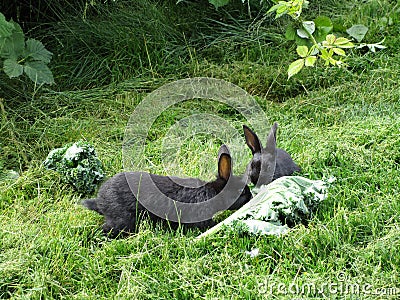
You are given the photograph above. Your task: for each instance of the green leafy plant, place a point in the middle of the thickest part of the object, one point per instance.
(23, 56)
(78, 165)
(287, 201)
(315, 39)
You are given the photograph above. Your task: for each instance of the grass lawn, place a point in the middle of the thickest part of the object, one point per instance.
(337, 122)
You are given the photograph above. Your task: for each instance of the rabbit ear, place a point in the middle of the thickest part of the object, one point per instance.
(224, 165)
(268, 164)
(271, 139)
(252, 140)
(223, 150)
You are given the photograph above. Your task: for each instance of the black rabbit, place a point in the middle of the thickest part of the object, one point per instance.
(274, 162)
(117, 198)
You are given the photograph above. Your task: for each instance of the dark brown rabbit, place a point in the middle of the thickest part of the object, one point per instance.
(268, 163)
(117, 198)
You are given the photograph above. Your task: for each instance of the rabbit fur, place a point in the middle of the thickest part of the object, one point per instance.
(274, 161)
(116, 201)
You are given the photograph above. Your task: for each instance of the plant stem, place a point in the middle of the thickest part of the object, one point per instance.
(315, 43)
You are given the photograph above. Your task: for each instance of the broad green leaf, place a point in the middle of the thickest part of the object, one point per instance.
(330, 39)
(323, 26)
(6, 28)
(295, 7)
(326, 56)
(309, 26)
(339, 51)
(273, 8)
(302, 51)
(347, 46)
(319, 36)
(343, 43)
(17, 27)
(314, 50)
(37, 51)
(302, 42)
(38, 72)
(3, 41)
(290, 33)
(332, 61)
(339, 27)
(310, 61)
(281, 10)
(357, 31)
(295, 67)
(323, 23)
(13, 46)
(218, 3)
(12, 68)
(302, 33)
(306, 29)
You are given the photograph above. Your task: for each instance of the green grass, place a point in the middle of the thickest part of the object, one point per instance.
(343, 123)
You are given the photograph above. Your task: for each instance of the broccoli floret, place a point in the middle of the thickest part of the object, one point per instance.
(78, 164)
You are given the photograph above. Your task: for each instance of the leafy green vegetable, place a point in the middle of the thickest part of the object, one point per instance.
(78, 165)
(289, 200)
